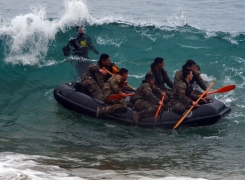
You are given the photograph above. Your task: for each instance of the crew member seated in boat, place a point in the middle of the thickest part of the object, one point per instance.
(93, 80)
(80, 45)
(146, 99)
(191, 65)
(114, 85)
(161, 77)
(183, 94)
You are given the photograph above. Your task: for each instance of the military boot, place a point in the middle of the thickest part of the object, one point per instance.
(136, 117)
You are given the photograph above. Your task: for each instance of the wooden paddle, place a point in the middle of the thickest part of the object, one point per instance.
(223, 89)
(118, 96)
(158, 110)
(113, 74)
(183, 117)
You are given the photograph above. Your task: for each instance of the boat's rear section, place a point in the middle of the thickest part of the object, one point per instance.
(71, 97)
(68, 96)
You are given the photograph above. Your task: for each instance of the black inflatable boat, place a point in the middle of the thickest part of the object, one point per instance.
(71, 97)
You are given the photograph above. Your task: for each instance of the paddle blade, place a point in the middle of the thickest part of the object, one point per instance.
(223, 89)
(118, 96)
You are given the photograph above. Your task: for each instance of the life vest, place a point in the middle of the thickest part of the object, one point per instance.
(112, 68)
(115, 70)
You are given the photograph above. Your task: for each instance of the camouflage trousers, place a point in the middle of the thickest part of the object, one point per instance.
(145, 108)
(92, 87)
(119, 105)
(166, 98)
(179, 108)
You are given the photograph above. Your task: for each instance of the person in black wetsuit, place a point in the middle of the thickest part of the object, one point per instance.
(80, 45)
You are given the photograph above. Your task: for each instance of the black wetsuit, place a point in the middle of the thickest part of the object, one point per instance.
(80, 46)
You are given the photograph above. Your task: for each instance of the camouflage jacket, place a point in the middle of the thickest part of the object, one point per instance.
(113, 86)
(182, 92)
(196, 78)
(161, 78)
(147, 92)
(93, 72)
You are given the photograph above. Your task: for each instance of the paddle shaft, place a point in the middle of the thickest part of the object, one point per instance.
(112, 75)
(181, 119)
(158, 110)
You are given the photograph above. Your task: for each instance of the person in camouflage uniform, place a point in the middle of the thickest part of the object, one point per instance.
(182, 92)
(191, 65)
(114, 86)
(94, 78)
(146, 99)
(161, 77)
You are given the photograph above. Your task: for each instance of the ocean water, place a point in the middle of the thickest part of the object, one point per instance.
(39, 139)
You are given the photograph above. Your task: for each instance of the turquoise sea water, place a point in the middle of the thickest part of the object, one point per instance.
(39, 139)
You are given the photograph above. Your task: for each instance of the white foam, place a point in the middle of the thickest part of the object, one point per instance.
(108, 41)
(177, 18)
(114, 175)
(192, 47)
(20, 166)
(138, 76)
(30, 34)
(230, 37)
(205, 77)
(172, 178)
